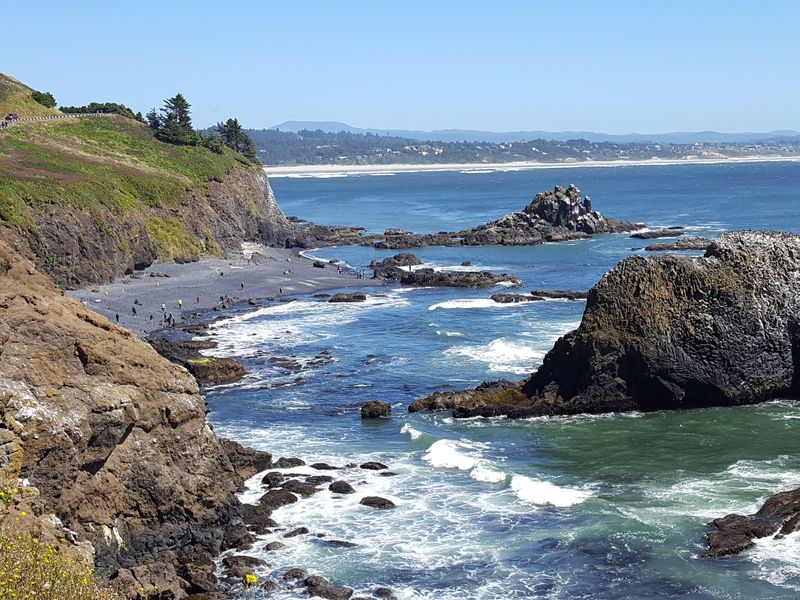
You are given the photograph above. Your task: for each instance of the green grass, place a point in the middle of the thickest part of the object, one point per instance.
(15, 97)
(172, 240)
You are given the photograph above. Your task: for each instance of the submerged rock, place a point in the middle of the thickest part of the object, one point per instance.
(374, 465)
(377, 502)
(514, 298)
(693, 243)
(341, 487)
(321, 587)
(560, 294)
(658, 233)
(354, 297)
(735, 533)
(460, 279)
(376, 409)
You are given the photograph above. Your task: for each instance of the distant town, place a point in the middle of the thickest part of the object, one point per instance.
(318, 147)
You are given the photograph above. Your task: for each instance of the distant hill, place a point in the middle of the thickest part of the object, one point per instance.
(469, 135)
(16, 97)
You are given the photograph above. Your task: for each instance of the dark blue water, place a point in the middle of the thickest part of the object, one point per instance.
(584, 507)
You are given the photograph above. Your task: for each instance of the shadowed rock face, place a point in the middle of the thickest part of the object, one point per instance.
(114, 437)
(670, 332)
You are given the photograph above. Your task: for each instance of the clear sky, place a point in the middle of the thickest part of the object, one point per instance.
(599, 65)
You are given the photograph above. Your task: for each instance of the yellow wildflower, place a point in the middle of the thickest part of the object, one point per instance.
(250, 579)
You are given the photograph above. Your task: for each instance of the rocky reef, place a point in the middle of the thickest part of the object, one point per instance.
(551, 217)
(399, 268)
(113, 439)
(671, 332)
(780, 515)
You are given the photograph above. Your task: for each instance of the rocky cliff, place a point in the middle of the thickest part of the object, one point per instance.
(672, 332)
(113, 437)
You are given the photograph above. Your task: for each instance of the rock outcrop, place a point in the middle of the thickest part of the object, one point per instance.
(670, 332)
(113, 437)
(690, 243)
(394, 267)
(551, 217)
(208, 370)
(459, 279)
(735, 533)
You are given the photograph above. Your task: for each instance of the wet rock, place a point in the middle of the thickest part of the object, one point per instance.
(318, 264)
(297, 487)
(258, 518)
(343, 297)
(692, 243)
(339, 543)
(246, 461)
(560, 294)
(735, 533)
(450, 399)
(460, 279)
(659, 233)
(293, 574)
(273, 546)
(377, 502)
(276, 498)
(319, 586)
(387, 474)
(393, 267)
(374, 465)
(514, 298)
(288, 463)
(273, 479)
(375, 409)
(320, 466)
(384, 592)
(206, 370)
(296, 532)
(240, 565)
(341, 487)
(319, 479)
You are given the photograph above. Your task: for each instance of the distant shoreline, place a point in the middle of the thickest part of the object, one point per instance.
(391, 169)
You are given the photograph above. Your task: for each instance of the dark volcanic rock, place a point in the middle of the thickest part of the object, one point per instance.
(392, 267)
(514, 298)
(296, 532)
(320, 466)
(460, 279)
(693, 243)
(374, 465)
(341, 487)
(319, 479)
(273, 479)
(294, 574)
(288, 463)
(377, 502)
(560, 294)
(297, 487)
(207, 370)
(736, 533)
(450, 399)
(376, 409)
(273, 546)
(354, 297)
(551, 217)
(658, 233)
(319, 586)
(669, 332)
(246, 461)
(240, 565)
(258, 518)
(276, 498)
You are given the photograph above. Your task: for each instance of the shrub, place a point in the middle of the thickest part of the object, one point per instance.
(44, 98)
(31, 569)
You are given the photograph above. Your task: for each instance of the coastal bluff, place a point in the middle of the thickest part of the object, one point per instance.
(671, 332)
(112, 442)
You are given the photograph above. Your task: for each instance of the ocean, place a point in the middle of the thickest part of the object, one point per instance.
(611, 506)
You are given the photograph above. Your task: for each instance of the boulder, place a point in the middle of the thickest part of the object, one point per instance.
(306, 490)
(293, 574)
(692, 243)
(343, 297)
(377, 502)
(376, 409)
(658, 233)
(319, 586)
(460, 279)
(273, 546)
(288, 463)
(321, 466)
(240, 565)
(246, 461)
(341, 487)
(296, 532)
(514, 298)
(273, 479)
(560, 294)
(276, 498)
(374, 466)
(258, 518)
(319, 479)
(394, 267)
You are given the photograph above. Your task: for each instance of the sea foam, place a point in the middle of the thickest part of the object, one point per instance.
(534, 491)
(502, 355)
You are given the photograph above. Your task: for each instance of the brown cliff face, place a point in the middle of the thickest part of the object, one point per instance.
(113, 436)
(85, 246)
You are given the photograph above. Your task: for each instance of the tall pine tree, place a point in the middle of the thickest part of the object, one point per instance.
(175, 122)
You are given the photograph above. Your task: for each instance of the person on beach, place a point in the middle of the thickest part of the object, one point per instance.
(164, 308)
(116, 316)
(198, 299)
(151, 319)
(242, 284)
(281, 289)
(133, 310)
(180, 303)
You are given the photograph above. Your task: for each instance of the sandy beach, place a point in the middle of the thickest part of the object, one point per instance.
(201, 284)
(390, 169)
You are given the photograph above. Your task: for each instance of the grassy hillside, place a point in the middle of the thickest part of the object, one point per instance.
(91, 162)
(15, 97)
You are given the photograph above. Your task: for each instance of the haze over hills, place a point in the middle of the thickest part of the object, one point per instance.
(499, 137)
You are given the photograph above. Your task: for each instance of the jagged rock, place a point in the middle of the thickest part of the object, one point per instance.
(240, 565)
(258, 518)
(303, 489)
(735, 533)
(694, 243)
(373, 465)
(207, 370)
(668, 332)
(514, 298)
(343, 297)
(551, 217)
(246, 461)
(450, 399)
(657, 233)
(384, 592)
(321, 587)
(321, 466)
(339, 544)
(296, 532)
(560, 294)
(295, 573)
(376, 409)
(392, 267)
(341, 487)
(273, 546)
(377, 502)
(276, 498)
(461, 279)
(319, 479)
(273, 479)
(288, 463)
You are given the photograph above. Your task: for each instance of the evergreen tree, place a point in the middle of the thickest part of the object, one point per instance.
(233, 136)
(175, 122)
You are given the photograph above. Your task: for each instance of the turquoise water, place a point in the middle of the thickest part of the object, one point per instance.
(612, 506)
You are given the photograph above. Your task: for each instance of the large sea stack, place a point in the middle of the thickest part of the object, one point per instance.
(670, 332)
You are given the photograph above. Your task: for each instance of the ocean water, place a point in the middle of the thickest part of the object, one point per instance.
(611, 506)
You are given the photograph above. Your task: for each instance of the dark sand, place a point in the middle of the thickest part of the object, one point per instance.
(202, 279)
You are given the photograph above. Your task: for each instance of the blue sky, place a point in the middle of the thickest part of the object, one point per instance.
(616, 67)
